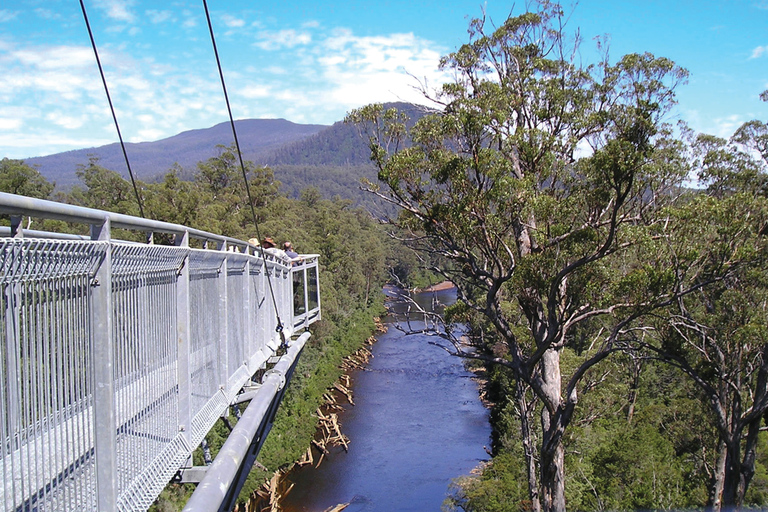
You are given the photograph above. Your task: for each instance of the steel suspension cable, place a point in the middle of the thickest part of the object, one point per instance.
(279, 327)
(112, 108)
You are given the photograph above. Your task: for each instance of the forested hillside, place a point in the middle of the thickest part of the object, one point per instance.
(151, 160)
(333, 159)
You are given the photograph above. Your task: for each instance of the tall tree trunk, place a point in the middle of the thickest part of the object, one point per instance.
(552, 450)
(732, 479)
(748, 464)
(526, 433)
(637, 366)
(718, 479)
(552, 472)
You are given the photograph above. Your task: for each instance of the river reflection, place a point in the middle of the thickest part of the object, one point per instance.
(417, 424)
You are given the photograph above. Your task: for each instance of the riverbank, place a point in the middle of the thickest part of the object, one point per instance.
(439, 287)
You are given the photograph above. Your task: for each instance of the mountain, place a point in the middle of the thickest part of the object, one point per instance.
(150, 160)
(332, 159)
(338, 145)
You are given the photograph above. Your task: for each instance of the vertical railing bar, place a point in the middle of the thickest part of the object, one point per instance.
(133, 341)
(123, 330)
(25, 378)
(248, 323)
(56, 408)
(306, 297)
(135, 384)
(3, 392)
(135, 380)
(42, 391)
(13, 331)
(33, 427)
(67, 372)
(73, 436)
(57, 411)
(46, 425)
(223, 345)
(89, 386)
(183, 342)
(102, 343)
(83, 432)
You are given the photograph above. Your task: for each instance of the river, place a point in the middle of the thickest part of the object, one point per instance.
(416, 425)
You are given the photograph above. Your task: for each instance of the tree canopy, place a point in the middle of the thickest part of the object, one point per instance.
(552, 193)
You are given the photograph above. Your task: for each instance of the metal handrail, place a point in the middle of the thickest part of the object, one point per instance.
(120, 356)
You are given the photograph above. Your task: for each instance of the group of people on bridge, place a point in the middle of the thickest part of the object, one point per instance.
(287, 253)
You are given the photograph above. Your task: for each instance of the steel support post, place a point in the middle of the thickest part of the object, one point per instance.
(183, 344)
(102, 360)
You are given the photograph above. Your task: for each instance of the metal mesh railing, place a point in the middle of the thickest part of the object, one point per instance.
(46, 413)
(117, 357)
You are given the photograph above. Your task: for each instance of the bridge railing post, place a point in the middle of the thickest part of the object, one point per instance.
(183, 338)
(223, 312)
(102, 346)
(248, 313)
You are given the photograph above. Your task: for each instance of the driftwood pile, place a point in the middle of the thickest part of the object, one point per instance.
(267, 497)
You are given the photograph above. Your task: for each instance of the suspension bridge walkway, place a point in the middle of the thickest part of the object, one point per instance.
(118, 357)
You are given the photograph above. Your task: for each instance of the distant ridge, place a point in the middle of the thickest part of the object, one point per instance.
(151, 160)
(339, 145)
(332, 159)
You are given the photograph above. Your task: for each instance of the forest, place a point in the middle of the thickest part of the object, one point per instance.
(610, 266)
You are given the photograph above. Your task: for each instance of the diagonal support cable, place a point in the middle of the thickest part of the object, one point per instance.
(112, 108)
(279, 328)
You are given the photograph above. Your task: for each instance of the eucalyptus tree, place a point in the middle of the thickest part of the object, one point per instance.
(719, 335)
(225, 208)
(103, 189)
(17, 177)
(527, 185)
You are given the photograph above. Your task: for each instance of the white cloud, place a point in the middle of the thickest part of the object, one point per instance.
(66, 121)
(6, 15)
(758, 52)
(46, 14)
(55, 57)
(9, 124)
(287, 38)
(156, 16)
(380, 68)
(255, 91)
(319, 75)
(232, 22)
(190, 19)
(725, 126)
(117, 9)
(276, 70)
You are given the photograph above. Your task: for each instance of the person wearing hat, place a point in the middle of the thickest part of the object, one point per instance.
(269, 247)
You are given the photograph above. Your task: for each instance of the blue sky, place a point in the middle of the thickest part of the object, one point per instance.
(313, 61)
